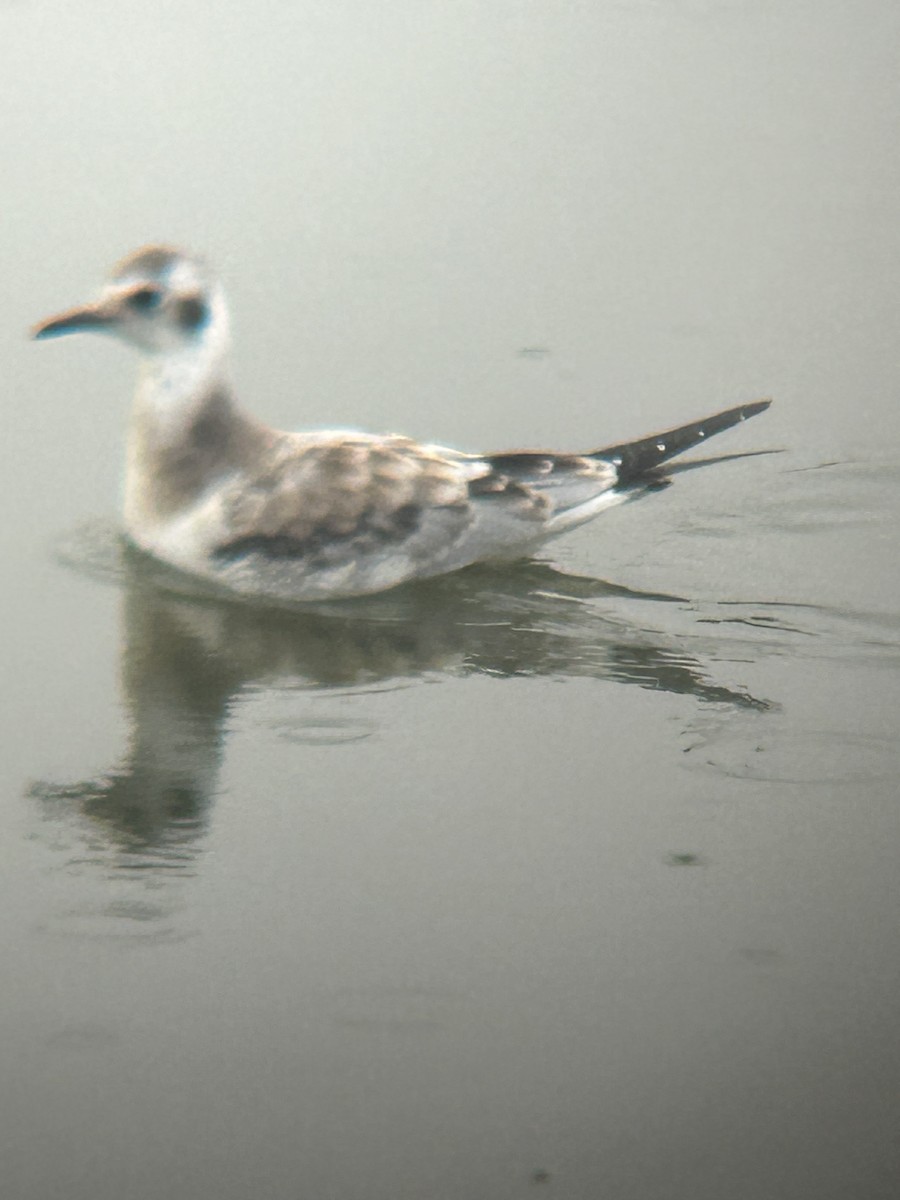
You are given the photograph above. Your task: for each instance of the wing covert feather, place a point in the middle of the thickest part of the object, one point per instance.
(340, 490)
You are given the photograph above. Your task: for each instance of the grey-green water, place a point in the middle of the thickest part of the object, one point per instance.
(575, 879)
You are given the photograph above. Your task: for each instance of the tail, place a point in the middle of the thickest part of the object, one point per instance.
(636, 461)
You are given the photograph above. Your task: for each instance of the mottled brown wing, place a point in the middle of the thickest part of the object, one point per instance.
(322, 498)
(551, 483)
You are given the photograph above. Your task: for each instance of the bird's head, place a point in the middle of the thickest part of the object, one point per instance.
(159, 300)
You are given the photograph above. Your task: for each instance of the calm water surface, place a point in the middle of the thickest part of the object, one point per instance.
(575, 879)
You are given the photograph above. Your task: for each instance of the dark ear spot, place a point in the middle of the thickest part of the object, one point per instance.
(191, 313)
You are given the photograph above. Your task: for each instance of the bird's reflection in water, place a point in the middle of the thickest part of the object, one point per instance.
(186, 659)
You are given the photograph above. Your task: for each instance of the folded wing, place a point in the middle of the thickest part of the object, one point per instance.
(370, 511)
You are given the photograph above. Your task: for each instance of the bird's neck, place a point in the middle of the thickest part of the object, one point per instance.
(175, 386)
(186, 434)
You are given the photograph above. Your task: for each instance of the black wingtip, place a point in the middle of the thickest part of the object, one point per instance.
(758, 406)
(634, 459)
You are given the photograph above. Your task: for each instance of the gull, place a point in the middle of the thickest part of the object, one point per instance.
(215, 493)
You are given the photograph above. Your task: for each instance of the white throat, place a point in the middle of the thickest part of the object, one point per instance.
(177, 381)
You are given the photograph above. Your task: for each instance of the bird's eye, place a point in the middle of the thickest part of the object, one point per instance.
(191, 312)
(145, 299)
